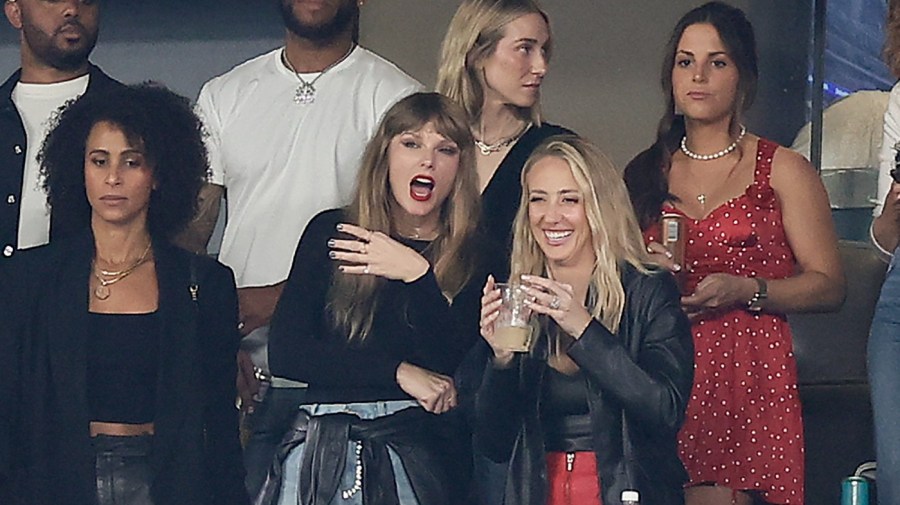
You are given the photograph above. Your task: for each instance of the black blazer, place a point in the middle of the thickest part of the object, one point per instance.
(642, 374)
(196, 452)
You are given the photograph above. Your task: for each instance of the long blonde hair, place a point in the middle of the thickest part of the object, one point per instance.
(615, 234)
(472, 37)
(353, 299)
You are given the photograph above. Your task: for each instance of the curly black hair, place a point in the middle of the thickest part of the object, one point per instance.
(148, 114)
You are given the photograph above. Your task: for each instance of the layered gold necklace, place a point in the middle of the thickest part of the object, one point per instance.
(107, 278)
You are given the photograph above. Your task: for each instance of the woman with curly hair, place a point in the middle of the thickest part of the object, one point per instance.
(129, 341)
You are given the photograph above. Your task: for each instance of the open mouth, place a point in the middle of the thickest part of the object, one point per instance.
(421, 188)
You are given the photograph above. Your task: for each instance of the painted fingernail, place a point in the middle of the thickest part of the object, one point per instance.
(332, 254)
(331, 242)
(669, 254)
(677, 267)
(339, 227)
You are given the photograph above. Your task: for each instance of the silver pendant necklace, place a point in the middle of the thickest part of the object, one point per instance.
(306, 90)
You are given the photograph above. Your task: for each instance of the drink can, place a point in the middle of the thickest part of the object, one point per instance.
(673, 239)
(673, 236)
(855, 491)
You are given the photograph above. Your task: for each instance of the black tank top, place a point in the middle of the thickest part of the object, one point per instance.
(565, 415)
(122, 367)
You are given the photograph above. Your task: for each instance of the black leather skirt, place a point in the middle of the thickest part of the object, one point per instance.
(123, 469)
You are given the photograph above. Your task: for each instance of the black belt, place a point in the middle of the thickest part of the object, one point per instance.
(406, 432)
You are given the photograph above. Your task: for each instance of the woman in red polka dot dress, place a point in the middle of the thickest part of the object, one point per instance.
(759, 243)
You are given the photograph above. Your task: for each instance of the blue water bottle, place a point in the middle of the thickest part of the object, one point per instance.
(855, 491)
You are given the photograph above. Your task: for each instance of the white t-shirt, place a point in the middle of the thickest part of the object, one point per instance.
(280, 162)
(890, 138)
(37, 104)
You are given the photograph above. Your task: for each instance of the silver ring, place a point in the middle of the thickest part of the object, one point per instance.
(554, 303)
(366, 270)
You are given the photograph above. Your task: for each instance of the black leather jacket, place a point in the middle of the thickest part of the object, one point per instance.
(638, 379)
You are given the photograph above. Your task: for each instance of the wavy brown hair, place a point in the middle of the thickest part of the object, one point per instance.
(647, 175)
(353, 299)
(472, 37)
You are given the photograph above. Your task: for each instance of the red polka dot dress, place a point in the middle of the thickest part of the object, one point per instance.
(743, 427)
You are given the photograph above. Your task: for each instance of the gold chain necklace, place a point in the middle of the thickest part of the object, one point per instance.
(102, 291)
(488, 149)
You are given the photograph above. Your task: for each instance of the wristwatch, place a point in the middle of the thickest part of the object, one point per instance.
(762, 292)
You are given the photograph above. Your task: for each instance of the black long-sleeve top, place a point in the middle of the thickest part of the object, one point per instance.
(413, 322)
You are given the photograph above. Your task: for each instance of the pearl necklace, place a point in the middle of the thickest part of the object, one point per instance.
(715, 155)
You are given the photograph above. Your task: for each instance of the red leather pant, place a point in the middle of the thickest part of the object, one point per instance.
(573, 478)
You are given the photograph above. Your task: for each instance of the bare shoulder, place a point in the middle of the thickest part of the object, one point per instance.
(791, 170)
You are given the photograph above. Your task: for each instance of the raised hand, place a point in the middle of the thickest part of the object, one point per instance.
(662, 256)
(374, 253)
(557, 300)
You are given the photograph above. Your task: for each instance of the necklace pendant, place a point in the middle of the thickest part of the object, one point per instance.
(702, 199)
(305, 94)
(101, 292)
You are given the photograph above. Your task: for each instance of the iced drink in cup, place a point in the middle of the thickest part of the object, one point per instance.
(512, 331)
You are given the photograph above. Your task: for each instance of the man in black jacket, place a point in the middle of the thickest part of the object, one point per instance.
(56, 39)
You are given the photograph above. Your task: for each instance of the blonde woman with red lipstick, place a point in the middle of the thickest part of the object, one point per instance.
(379, 309)
(493, 61)
(595, 408)
(760, 243)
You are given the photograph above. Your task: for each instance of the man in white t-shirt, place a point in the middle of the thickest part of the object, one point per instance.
(55, 40)
(287, 130)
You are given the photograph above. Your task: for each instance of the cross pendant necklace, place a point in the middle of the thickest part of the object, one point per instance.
(702, 199)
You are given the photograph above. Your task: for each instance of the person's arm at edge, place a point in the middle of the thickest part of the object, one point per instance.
(218, 324)
(885, 229)
(196, 236)
(819, 284)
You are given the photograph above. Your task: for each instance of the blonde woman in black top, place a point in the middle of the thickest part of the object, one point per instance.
(494, 58)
